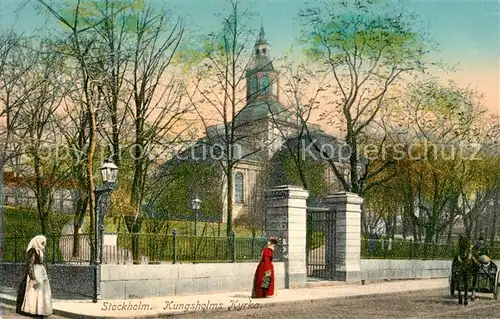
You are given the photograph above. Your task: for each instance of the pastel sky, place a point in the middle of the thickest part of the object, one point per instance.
(468, 32)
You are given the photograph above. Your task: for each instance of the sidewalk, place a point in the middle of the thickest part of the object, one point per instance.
(170, 305)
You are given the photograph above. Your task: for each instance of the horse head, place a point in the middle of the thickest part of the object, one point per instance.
(464, 245)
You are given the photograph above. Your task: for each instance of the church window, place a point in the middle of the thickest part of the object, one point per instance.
(238, 187)
(264, 51)
(257, 51)
(265, 84)
(273, 88)
(254, 84)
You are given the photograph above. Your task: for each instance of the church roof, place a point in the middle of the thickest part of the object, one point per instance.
(263, 64)
(259, 110)
(332, 148)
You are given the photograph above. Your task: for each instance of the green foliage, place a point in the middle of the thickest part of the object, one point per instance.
(182, 181)
(361, 29)
(314, 172)
(123, 13)
(227, 47)
(160, 248)
(25, 222)
(315, 240)
(406, 249)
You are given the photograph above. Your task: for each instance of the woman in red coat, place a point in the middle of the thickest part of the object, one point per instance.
(263, 282)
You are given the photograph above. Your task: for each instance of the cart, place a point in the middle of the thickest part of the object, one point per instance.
(488, 280)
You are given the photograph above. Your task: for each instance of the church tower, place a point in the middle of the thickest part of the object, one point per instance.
(261, 78)
(257, 122)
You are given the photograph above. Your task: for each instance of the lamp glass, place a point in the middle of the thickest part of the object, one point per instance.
(195, 203)
(109, 172)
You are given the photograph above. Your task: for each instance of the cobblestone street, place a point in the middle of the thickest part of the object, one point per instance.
(433, 304)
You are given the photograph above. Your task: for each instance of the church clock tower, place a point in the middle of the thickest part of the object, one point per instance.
(261, 78)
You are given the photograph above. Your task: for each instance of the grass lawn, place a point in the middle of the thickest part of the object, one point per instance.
(26, 223)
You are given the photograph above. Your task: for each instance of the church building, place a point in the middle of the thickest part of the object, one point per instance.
(261, 128)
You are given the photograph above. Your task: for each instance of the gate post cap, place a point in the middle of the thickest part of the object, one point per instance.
(345, 197)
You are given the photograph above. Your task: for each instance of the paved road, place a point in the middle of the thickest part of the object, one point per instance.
(431, 304)
(428, 305)
(6, 313)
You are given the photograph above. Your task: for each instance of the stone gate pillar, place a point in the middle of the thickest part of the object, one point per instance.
(346, 243)
(286, 219)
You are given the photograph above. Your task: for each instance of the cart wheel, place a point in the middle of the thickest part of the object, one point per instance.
(495, 288)
(452, 285)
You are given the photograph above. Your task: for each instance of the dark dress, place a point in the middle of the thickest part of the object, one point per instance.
(32, 258)
(265, 264)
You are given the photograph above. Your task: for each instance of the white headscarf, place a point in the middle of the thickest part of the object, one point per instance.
(38, 243)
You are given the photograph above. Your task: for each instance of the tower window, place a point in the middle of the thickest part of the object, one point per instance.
(257, 51)
(238, 188)
(264, 51)
(264, 82)
(253, 85)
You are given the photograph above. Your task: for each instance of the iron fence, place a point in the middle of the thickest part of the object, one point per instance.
(406, 249)
(57, 247)
(139, 248)
(321, 244)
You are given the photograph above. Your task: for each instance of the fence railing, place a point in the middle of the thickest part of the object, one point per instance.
(406, 249)
(139, 248)
(57, 248)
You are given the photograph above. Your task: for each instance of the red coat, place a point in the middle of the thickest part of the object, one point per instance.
(265, 264)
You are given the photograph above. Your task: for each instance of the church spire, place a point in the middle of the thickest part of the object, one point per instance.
(261, 77)
(261, 45)
(262, 36)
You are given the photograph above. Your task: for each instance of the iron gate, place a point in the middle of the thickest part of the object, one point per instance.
(321, 243)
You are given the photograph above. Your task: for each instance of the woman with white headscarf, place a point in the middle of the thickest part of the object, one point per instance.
(34, 297)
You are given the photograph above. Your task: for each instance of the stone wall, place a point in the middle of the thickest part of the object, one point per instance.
(66, 281)
(138, 281)
(381, 269)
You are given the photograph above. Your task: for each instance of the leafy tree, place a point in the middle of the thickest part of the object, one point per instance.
(200, 178)
(433, 171)
(369, 48)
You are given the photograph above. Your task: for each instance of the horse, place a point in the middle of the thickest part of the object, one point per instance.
(464, 268)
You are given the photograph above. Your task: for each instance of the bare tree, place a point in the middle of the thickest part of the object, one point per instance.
(115, 42)
(124, 53)
(302, 87)
(220, 88)
(38, 126)
(79, 48)
(156, 107)
(14, 62)
(74, 129)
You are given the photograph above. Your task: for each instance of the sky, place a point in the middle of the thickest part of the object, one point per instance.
(467, 32)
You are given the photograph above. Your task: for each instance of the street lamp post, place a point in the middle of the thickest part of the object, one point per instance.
(109, 172)
(195, 205)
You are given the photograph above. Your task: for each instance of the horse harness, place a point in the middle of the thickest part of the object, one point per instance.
(469, 257)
